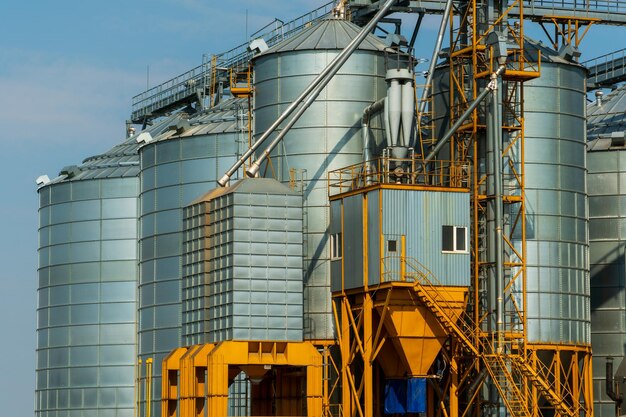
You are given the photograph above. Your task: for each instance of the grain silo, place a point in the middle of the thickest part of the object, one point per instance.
(87, 284)
(176, 167)
(606, 161)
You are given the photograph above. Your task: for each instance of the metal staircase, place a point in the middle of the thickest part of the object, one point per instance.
(507, 369)
(606, 70)
(505, 383)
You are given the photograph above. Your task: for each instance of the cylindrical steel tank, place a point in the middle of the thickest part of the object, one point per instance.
(556, 199)
(325, 138)
(86, 310)
(606, 185)
(177, 167)
(557, 288)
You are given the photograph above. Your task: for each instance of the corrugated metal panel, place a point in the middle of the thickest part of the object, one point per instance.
(244, 270)
(353, 241)
(335, 228)
(420, 215)
(86, 309)
(607, 227)
(373, 236)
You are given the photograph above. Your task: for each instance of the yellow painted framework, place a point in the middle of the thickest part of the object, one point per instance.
(533, 379)
(196, 378)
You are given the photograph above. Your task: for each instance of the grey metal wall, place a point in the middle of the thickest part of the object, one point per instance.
(607, 223)
(420, 215)
(87, 284)
(243, 263)
(558, 309)
(606, 185)
(327, 137)
(177, 167)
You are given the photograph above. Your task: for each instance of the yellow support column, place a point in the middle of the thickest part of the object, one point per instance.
(454, 383)
(367, 355)
(217, 387)
(344, 346)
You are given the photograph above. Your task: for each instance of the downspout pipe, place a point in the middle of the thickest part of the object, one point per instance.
(433, 60)
(365, 133)
(496, 112)
(442, 142)
(610, 384)
(323, 78)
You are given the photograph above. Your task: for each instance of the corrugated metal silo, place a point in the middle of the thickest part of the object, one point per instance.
(606, 184)
(326, 137)
(177, 167)
(87, 285)
(557, 245)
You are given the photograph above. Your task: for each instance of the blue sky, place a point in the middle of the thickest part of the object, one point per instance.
(68, 71)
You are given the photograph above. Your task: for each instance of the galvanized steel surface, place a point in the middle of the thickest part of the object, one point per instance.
(606, 182)
(558, 309)
(87, 284)
(420, 215)
(243, 264)
(326, 137)
(177, 167)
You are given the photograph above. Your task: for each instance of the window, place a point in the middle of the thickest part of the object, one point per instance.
(392, 245)
(454, 239)
(336, 250)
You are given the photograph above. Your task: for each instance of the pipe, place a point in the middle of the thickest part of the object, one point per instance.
(464, 116)
(433, 61)
(254, 168)
(365, 133)
(610, 384)
(496, 112)
(324, 77)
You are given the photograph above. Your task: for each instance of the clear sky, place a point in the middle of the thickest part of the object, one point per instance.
(68, 71)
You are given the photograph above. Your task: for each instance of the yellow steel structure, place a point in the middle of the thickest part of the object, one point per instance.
(196, 379)
(398, 326)
(568, 30)
(530, 379)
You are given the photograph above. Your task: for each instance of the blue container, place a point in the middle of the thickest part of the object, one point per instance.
(403, 396)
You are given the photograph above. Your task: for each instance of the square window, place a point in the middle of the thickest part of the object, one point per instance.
(454, 239)
(392, 245)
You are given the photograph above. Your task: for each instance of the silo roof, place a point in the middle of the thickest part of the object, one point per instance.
(327, 34)
(609, 116)
(227, 117)
(121, 161)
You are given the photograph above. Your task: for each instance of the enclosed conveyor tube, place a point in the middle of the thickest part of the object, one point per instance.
(322, 79)
(441, 143)
(433, 61)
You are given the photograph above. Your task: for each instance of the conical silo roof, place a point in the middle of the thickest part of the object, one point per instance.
(120, 161)
(324, 35)
(608, 115)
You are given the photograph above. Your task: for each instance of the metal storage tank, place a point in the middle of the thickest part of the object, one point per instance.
(86, 337)
(557, 243)
(177, 167)
(326, 137)
(606, 185)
